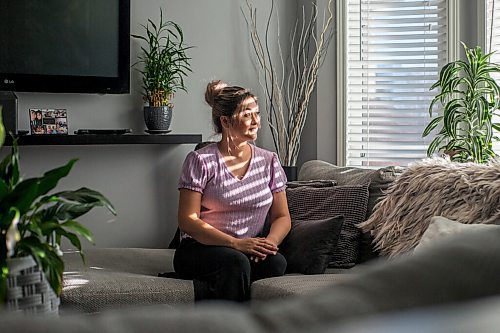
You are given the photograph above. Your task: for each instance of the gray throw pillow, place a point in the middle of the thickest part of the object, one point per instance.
(310, 203)
(441, 228)
(310, 244)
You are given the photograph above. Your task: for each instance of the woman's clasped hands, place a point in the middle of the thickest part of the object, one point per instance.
(258, 247)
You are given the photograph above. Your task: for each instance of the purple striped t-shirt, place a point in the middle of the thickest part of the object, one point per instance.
(235, 206)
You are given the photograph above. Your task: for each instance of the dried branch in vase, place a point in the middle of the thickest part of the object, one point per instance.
(288, 88)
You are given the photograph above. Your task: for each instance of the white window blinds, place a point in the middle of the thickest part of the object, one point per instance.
(394, 51)
(493, 44)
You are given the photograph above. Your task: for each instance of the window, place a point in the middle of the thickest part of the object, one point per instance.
(492, 42)
(390, 53)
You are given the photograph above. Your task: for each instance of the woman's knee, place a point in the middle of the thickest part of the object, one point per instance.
(275, 265)
(236, 260)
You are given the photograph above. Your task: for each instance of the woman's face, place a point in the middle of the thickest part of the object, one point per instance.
(39, 116)
(246, 123)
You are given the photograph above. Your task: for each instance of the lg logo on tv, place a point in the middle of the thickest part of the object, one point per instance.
(7, 81)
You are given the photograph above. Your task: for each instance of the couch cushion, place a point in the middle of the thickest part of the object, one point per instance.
(310, 203)
(310, 245)
(294, 285)
(115, 278)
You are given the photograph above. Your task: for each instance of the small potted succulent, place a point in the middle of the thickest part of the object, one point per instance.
(32, 225)
(164, 64)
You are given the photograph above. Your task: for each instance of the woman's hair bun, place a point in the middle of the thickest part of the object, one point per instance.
(214, 89)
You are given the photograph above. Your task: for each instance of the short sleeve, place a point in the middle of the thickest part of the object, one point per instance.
(194, 173)
(278, 177)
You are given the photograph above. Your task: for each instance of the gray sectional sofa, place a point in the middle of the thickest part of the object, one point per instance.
(117, 278)
(449, 287)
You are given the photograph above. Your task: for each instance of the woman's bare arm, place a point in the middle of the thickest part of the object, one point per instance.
(280, 218)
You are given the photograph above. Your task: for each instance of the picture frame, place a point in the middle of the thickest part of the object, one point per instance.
(48, 121)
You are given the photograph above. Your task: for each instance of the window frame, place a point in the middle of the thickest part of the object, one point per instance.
(453, 12)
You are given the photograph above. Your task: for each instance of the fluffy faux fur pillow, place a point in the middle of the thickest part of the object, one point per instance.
(464, 192)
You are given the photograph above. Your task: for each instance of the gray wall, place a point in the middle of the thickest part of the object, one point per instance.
(141, 180)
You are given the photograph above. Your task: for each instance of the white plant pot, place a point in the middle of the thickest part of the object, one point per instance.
(28, 291)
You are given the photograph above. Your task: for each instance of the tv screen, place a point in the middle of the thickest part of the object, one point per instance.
(80, 46)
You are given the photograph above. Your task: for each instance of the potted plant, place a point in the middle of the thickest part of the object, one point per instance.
(164, 66)
(32, 225)
(469, 97)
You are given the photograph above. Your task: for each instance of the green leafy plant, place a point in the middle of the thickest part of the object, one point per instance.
(164, 60)
(33, 221)
(470, 99)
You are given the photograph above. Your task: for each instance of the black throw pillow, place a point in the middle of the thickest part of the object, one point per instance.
(310, 244)
(310, 203)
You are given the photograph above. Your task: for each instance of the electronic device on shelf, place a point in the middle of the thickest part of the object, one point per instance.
(117, 131)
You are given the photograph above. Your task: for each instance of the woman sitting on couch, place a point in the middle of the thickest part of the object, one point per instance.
(226, 191)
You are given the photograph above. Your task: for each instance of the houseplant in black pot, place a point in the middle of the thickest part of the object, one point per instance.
(164, 64)
(469, 100)
(32, 224)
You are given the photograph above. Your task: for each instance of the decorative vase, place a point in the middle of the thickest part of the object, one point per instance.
(28, 291)
(290, 172)
(158, 118)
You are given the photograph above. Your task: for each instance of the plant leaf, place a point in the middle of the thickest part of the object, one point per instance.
(433, 145)
(79, 229)
(432, 125)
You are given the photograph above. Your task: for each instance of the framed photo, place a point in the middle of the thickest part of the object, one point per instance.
(48, 121)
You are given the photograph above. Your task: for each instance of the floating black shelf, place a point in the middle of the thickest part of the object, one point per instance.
(104, 139)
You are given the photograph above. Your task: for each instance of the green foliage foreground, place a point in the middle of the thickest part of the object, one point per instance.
(33, 221)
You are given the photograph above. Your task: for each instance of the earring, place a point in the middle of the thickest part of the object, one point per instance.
(228, 142)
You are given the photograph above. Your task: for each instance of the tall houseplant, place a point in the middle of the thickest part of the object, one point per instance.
(164, 65)
(34, 221)
(470, 99)
(288, 82)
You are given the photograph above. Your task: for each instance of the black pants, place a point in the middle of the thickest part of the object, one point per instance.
(220, 272)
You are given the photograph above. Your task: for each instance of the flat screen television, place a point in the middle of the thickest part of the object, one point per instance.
(69, 46)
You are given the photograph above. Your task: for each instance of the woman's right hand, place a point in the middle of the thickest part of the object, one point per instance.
(258, 247)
